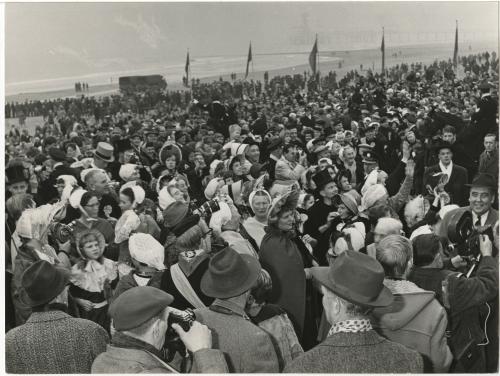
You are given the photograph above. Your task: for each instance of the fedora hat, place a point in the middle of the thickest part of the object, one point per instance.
(357, 278)
(104, 151)
(229, 274)
(484, 180)
(43, 282)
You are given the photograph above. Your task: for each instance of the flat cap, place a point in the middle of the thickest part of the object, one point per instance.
(136, 306)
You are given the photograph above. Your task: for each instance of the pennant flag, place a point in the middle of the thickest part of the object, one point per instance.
(187, 69)
(455, 51)
(382, 49)
(313, 56)
(249, 59)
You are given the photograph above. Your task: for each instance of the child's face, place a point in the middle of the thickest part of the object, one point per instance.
(91, 250)
(125, 203)
(309, 203)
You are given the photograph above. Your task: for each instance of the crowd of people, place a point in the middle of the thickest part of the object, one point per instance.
(300, 224)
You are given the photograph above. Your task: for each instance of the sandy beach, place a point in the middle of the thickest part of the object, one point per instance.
(328, 61)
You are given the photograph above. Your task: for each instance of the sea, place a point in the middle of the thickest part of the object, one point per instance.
(289, 62)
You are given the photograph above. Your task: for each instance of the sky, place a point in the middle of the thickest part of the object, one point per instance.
(46, 40)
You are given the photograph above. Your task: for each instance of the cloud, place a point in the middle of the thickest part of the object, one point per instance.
(148, 32)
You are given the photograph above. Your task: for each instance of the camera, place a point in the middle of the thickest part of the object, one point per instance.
(61, 232)
(463, 235)
(134, 158)
(173, 343)
(209, 207)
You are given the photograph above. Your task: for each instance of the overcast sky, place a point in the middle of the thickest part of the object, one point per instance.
(44, 39)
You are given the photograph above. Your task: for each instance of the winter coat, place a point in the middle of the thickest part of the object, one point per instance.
(54, 342)
(246, 347)
(364, 352)
(280, 256)
(416, 320)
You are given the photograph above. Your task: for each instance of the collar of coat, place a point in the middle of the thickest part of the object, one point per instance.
(53, 315)
(127, 342)
(230, 306)
(341, 339)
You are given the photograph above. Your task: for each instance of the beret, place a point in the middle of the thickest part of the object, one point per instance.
(136, 306)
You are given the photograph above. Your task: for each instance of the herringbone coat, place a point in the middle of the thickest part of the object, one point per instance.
(54, 342)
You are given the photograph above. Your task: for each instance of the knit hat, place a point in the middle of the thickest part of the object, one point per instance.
(147, 250)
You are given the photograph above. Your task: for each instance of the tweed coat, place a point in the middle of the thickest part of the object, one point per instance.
(246, 347)
(54, 342)
(125, 360)
(364, 352)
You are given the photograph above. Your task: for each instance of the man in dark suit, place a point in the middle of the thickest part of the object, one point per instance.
(275, 150)
(487, 107)
(352, 346)
(488, 160)
(456, 175)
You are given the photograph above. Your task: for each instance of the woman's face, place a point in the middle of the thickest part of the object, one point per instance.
(309, 203)
(182, 186)
(125, 203)
(286, 221)
(170, 163)
(345, 185)
(260, 205)
(91, 250)
(332, 172)
(70, 152)
(176, 194)
(343, 211)
(237, 169)
(410, 137)
(92, 207)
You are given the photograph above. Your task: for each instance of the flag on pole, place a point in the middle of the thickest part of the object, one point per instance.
(313, 56)
(455, 51)
(249, 59)
(382, 49)
(187, 69)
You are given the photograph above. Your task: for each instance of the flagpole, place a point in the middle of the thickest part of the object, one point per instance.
(455, 52)
(317, 63)
(383, 51)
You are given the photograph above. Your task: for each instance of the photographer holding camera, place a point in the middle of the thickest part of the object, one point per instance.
(465, 299)
(140, 318)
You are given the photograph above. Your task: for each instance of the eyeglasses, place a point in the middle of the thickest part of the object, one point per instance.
(92, 205)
